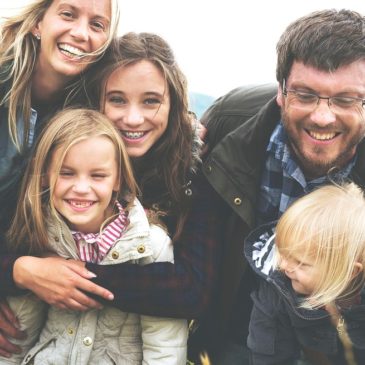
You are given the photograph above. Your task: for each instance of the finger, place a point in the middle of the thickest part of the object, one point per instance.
(79, 268)
(76, 306)
(4, 354)
(84, 302)
(7, 347)
(8, 329)
(92, 288)
(83, 282)
(8, 313)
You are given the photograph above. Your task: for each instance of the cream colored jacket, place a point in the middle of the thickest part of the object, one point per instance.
(107, 336)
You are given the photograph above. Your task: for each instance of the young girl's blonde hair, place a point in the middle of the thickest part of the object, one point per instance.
(28, 231)
(18, 53)
(328, 226)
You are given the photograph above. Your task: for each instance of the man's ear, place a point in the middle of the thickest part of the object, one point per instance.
(280, 97)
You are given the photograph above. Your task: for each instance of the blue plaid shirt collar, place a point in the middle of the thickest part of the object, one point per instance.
(283, 181)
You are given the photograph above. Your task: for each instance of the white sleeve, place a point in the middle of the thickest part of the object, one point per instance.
(161, 244)
(164, 340)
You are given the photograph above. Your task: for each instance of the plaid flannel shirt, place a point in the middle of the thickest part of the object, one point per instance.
(179, 290)
(283, 181)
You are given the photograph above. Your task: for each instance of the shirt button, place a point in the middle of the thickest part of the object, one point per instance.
(188, 192)
(87, 341)
(70, 331)
(56, 239)
(209, 168)
(141, 249)
(115, 255)
(237, 201)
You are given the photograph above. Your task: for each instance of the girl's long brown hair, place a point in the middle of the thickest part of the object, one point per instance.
(168, 164)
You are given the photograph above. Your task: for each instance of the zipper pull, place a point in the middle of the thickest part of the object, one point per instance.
(340, 325)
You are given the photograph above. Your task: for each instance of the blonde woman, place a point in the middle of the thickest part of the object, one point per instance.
(44, 51)
(314, 299)
(78, 201)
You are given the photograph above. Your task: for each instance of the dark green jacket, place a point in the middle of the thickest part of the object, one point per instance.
(233, 168)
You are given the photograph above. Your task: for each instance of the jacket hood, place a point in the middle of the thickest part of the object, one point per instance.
(259, 249)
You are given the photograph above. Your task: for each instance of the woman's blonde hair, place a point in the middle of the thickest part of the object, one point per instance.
(327, 225)
(18, 53)
(28, 231)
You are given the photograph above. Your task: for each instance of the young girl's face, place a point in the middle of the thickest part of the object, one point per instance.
(137, 101)
(84, 185)
(70, 29)
(301, 271)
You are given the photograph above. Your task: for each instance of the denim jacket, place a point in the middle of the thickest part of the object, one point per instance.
(12, 162)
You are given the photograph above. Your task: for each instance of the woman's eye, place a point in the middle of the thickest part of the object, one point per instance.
(152, 101)
(99, 25)
(67, 14)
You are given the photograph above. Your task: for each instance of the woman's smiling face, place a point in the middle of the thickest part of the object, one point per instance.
(69, 31)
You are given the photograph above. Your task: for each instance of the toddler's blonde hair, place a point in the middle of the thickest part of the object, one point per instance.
(328, 226)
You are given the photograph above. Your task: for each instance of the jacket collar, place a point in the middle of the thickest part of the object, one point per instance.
(235, 164)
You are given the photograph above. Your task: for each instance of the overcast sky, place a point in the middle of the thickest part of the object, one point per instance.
(219, 44)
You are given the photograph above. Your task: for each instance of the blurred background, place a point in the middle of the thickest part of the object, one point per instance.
(219, 44)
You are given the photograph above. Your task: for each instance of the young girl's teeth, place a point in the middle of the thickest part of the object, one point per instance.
(79, 204)
(133, 135)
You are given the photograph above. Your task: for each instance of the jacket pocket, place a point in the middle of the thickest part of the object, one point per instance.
(29, 357)
(271, 338)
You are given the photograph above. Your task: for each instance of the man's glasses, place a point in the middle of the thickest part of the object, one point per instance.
(309, 101)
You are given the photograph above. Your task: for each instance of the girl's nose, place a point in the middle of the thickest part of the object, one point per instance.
(285, 265)
(134, 117)
(81, 186)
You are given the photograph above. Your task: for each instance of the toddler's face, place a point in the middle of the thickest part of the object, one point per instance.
(302, 273)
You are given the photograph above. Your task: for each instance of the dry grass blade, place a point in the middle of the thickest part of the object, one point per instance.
(204, 358)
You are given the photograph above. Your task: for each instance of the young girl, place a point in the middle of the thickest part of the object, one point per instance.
(315, 299)
(78, 201)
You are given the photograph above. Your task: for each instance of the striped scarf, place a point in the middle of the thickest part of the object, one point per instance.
(93, 247)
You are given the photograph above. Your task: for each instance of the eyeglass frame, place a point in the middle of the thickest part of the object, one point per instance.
(329, 99)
